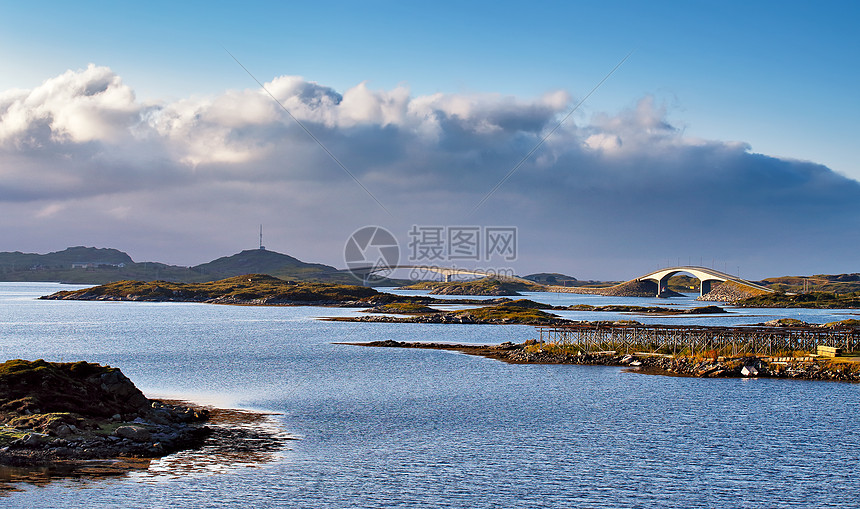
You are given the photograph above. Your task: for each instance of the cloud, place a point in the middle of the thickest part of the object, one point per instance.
(77, 107)
(81, 156)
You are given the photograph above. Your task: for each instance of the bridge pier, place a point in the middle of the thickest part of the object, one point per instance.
(663, 284)
(704, 286)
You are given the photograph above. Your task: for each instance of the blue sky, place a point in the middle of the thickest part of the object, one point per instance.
(781, 76)
(454, 94)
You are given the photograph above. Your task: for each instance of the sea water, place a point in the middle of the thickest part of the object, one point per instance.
(382, 427)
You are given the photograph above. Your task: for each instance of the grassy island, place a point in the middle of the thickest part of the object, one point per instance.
(485, 286)
(506, 312)
(519, 312)
(821, 300)
(535, 352)
(247, 289)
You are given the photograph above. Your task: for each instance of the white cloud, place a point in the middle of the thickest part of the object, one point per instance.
(50, 210)
(211, 164)
(603, 141)
(92, 104)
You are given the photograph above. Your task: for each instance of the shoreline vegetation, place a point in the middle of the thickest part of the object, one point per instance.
(258, 289)
(90, 265)
(261, 290)
(512, 312)
(815, 300)
(479, 287)
(86, 420)
(806, 367)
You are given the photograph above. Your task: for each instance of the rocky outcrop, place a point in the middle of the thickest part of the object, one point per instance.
(645, 288)
(485, 287)
(452, 318)
(532, 352)
(72, 411)
(254, 289)
(729, 291)
(633, 288)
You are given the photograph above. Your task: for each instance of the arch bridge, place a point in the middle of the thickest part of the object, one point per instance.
(705, 275)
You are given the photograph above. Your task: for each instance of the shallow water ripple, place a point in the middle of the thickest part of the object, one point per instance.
(423, 428)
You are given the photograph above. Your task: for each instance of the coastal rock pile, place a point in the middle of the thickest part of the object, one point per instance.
(746, 367)
(729, 292)
(452, 318)
(627, 289)
(534, 352)
(634, 288)
(643, 288)
(70, 411)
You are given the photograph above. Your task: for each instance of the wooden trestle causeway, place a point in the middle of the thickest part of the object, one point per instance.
(693, 339)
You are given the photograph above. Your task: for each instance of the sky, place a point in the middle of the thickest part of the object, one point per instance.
(726, 136)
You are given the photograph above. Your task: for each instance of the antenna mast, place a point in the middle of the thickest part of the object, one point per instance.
(261, 238)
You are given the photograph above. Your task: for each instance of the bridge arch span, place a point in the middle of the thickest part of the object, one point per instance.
(705, 275)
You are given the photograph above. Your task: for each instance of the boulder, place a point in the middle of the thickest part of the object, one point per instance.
(749, 371)
(63, 430)
(136, 433)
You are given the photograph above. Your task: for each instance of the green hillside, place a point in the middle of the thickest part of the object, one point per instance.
(833, 283)
(89, 265)
(258, 261)
(64, 259)
(550, 278)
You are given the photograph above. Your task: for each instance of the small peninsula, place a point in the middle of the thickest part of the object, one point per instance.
(509, 312)
(54, 411)
(748, 366)
(814, 300)
(59, 417)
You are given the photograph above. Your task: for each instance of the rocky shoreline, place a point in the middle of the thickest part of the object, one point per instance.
(532, 352)
(68, 417)
(520, 312)
(445, 318)
(167, 429)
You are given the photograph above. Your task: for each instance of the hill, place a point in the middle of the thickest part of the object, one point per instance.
(833, 283)
(262, 261)
(64, 259)
(90, 265)
(551, 278)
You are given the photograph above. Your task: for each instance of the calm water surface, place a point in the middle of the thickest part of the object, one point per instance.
(407, 428)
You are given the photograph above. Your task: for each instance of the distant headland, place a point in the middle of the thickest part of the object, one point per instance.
(90, 265)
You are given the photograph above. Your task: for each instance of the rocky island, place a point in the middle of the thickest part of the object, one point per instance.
(748, 366)
(483, 287)
(251, 289)
(261, 290)
(507, 312)
(814, 300)
(66, 415)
